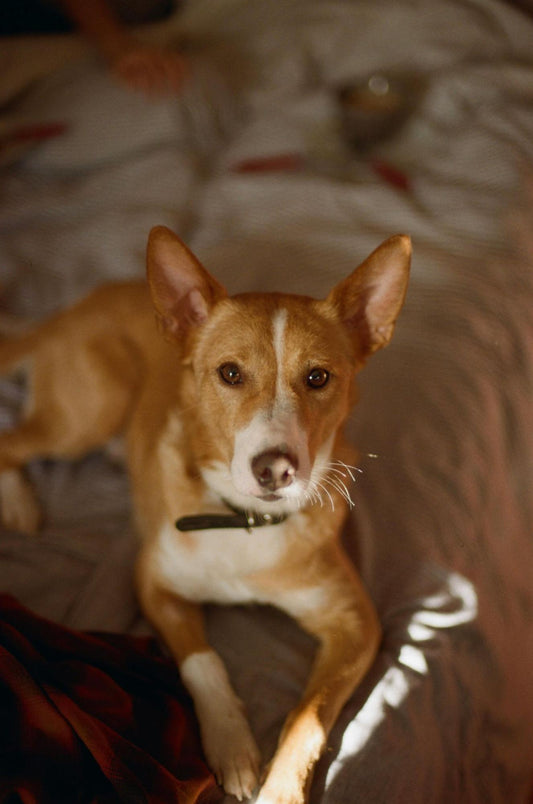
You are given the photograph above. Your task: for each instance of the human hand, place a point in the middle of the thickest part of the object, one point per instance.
(150, 70)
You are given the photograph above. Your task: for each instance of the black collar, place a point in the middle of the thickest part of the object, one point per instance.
(238, 519)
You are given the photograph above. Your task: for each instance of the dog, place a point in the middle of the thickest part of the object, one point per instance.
(232, 410)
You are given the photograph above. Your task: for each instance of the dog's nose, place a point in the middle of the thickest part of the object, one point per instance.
(274, 469)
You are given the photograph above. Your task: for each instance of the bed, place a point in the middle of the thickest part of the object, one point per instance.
(250, 165)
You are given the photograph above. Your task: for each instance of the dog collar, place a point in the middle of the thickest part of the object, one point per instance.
(238, 519)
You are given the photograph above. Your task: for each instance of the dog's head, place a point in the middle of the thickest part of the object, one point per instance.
(269, 378)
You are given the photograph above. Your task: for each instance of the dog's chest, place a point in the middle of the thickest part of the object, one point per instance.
(218, 565)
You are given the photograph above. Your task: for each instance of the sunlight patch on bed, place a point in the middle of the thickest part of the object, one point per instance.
(455, 605)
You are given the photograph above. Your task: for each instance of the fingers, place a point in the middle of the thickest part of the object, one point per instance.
(151, 71)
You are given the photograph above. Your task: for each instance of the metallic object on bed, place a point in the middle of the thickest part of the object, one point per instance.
(375, 108)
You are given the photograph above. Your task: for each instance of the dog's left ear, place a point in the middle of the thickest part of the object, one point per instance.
(183, 292)
(369, 300)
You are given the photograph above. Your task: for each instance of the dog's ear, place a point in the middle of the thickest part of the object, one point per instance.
(369, 300)
(183, 292)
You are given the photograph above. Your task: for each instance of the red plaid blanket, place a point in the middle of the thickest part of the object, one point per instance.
(92, 719)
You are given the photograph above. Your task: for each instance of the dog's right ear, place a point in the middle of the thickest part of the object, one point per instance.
(183, 292)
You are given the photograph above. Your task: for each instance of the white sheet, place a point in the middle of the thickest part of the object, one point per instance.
(442, 526)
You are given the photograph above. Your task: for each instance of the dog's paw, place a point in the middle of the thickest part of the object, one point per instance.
(282, 786)
(19, 509)
(227, 740)
(232, 755)
(286, 796)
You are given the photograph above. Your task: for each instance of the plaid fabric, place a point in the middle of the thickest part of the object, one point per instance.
(92, 718)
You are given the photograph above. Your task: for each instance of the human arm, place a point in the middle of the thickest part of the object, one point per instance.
(150, 69)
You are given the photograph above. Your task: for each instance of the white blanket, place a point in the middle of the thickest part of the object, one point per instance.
(442, 528)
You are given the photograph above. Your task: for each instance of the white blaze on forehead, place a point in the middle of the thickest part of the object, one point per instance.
(279, 324)
(279, 327)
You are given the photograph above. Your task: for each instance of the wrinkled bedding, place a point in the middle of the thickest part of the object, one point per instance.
(105, 709)
(442, 526)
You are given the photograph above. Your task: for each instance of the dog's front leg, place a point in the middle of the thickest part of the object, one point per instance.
(348, 632)
(229, 746)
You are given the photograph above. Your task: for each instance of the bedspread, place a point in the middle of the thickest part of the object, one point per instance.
(92, 718)
(248, 165)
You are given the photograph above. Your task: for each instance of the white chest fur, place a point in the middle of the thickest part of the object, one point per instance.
(217, 565)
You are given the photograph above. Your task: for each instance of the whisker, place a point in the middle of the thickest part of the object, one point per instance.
(349, 469)
(337, 471)
(346, 465)
(339, 486)
(343, 489)
(312, 494)
(352, 469)
(325, 490)
(319, 497)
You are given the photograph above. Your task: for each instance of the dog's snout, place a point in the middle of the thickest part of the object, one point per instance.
(274, 469)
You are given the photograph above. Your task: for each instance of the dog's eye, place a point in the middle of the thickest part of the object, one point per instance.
(317, 378)
(230, 373)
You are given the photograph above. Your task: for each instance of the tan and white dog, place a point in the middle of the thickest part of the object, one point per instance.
(233, 419)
